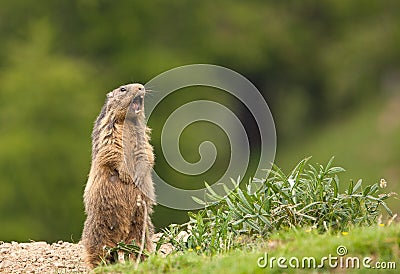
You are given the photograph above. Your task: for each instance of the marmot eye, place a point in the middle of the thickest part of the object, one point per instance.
(122, 89)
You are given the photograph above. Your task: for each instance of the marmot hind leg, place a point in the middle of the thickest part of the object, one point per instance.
(142, 224)
(95, 238)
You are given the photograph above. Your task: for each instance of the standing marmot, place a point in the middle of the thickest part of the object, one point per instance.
(119, 193)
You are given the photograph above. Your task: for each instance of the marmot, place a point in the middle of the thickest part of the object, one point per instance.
(119, 193)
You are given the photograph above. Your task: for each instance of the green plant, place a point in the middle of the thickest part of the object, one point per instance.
(308, 197)
(376, 241)
(126, 250)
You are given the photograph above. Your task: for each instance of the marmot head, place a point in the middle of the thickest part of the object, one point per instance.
(127, 99)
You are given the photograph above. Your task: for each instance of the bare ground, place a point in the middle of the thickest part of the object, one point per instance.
(41, 257)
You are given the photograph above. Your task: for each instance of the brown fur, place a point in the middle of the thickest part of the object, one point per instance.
(118, 187)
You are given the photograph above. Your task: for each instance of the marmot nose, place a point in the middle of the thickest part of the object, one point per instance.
(139, 88)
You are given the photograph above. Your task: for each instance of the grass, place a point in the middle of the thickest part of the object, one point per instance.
(302, 213)
(308, 196)
(381, 243)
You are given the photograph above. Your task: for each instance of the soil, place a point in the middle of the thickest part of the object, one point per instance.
(41, 257)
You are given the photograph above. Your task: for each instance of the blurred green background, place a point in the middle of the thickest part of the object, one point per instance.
(329, 70)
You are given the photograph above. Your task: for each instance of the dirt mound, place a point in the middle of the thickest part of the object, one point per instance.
(41, 257)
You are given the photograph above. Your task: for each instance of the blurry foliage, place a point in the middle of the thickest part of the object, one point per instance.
(47, 103)
(311, 60)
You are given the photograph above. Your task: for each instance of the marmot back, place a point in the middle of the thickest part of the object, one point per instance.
(119, 193)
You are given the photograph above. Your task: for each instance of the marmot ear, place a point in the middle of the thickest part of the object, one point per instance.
(109, 96)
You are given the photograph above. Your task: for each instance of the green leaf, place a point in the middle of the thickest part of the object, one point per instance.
(212, 192)
(350, 189)
(226, 189)
(243, 198)
(295, 174)
(374, 189)
(238, 222)
(357, 186)
(366, 190)
(278, 172)
(329, 164)
(253, 225)
(199, 201)
(335, 186)
(335, 170)
(244, 209)
(387, 209)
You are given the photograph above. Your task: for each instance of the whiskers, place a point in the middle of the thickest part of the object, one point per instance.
(150, 92)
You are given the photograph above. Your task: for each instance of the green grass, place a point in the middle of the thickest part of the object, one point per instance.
(308, 196)
(380, 243)
(294, 215)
